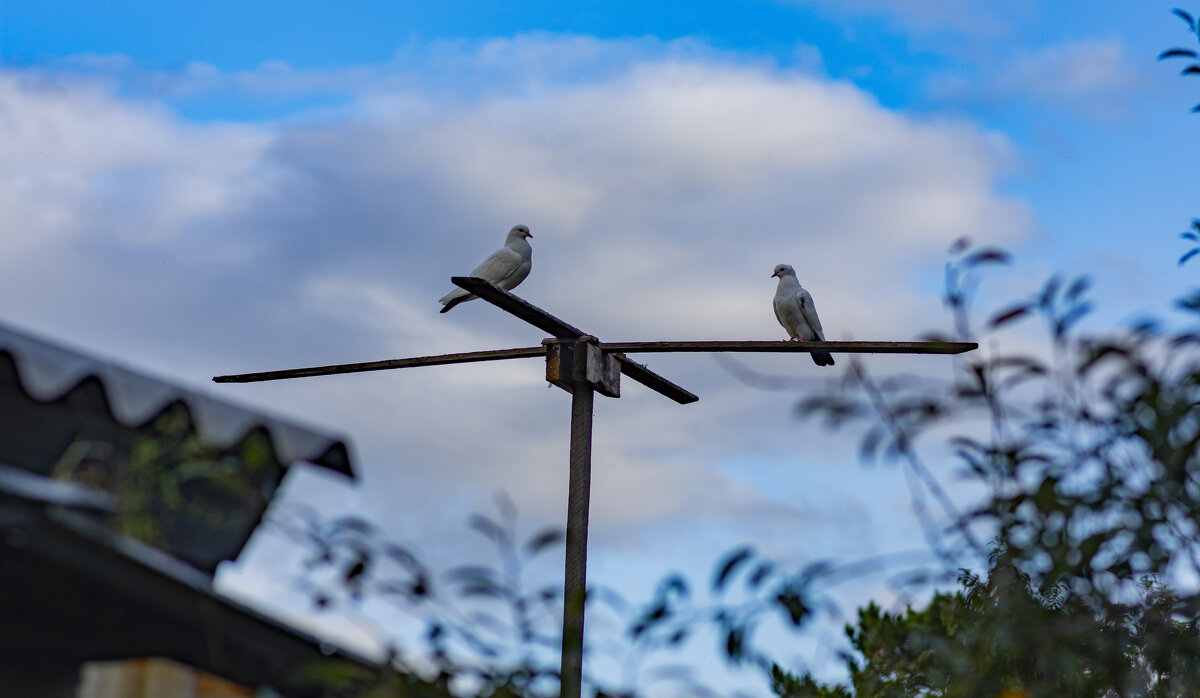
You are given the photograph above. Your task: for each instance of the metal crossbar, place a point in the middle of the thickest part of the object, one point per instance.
(438, 360)
(581, 364)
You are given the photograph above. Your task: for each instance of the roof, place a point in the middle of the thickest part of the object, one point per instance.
(190, 474)
(48, 372)
(75, 591)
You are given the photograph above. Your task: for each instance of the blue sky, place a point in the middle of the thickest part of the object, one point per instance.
(206, 188)
(1019, 67)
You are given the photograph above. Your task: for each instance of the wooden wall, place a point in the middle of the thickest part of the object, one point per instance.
(153, 678)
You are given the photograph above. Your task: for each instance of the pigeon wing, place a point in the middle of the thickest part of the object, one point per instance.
(809, 312)
(500, 265)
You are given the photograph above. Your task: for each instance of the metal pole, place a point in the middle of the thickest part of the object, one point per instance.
(459, 358)
(575, 578)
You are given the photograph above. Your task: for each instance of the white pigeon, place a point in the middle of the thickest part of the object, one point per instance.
(795, 310)
(506, 267)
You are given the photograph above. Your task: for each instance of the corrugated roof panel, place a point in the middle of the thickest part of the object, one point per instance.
(48, 371)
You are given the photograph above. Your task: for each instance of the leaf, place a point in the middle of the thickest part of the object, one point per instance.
(760, 574)
(1188, 255)
(1190, 303)
(1185, 339)
(601, 594)
(1190, 70)
(355, 571)
(812, 570)
(402, 555)
(993, 255)
(960, 245)
(1190, 235)
(677, 637)
(506, 505)
(1065, 322)
(1185, 17)
(652, 617)
(674, 583)
(470, 573)
(1077, 288)
(1145, 325)
(1008, 315)
(483, 587)
(731, 563)
(795, 607)
(489, 528)
(1049, 291)
(1177, 53)
(733, 644)
(547, 538)
(870, 443)
(410, 592)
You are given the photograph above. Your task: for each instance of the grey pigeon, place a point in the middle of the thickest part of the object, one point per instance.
(506, 267)
(795, 311)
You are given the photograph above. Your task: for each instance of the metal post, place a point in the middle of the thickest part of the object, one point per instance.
(578, 363)
(575, 578)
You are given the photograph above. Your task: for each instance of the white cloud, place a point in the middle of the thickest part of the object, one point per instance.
(660, 191)
(1091, 75)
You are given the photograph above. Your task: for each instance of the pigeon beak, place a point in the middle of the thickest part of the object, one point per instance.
(773, 275)
(528, 235)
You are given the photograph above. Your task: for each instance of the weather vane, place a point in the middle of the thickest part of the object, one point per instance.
(579, 363)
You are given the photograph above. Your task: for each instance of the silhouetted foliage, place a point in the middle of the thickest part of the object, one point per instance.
(1193, 66)
(1001, 635)
(1073, 569)
(1087, 445)
(1194, 236)
(481, 626)
(1082, 447)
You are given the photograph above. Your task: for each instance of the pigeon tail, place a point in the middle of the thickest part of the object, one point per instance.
(820, 358)
(461, 299)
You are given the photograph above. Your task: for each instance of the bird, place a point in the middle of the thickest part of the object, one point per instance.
(506, 267)
(795, 310)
